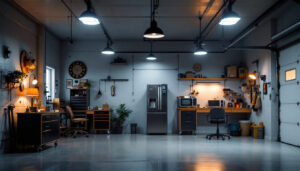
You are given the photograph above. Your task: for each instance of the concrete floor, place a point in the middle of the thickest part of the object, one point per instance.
(144, 152)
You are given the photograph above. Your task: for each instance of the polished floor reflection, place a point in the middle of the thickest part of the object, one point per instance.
(144, 152)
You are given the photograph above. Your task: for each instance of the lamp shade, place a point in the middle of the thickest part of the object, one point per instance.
(252, 76)
(108, 51)
(89, 17)
(151, 57)
(229, 18)
(32, 92)
(200, 51)
(154, 32)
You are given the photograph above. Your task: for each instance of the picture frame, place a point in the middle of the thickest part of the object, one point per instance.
(76, 83)
(290, 74)
(82, 82)
(69, 83)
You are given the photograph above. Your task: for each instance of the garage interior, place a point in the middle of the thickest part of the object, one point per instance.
(149, 85)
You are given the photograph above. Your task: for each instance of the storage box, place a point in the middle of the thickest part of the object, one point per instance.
(232, 71)
(243, 73)
(189, 75)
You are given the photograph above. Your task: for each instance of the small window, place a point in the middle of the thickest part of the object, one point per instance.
(290, 75)
(50, 83)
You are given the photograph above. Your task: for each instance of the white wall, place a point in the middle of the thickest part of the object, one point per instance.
(140, 73)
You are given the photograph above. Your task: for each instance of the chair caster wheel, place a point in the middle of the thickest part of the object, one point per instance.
(223, 139)
(87, 136)
(74, 136)
(55, 144)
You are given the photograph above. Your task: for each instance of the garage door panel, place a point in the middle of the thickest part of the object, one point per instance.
(289, 96)
(290, 113)
(290, 133)
(290, 93)
(284, 68)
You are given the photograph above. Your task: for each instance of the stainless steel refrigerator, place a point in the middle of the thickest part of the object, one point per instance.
(157, 109)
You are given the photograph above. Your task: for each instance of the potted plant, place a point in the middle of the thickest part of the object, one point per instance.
(14, 77)
(118, 121)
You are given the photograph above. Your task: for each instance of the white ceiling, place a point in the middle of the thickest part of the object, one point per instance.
(128, 19)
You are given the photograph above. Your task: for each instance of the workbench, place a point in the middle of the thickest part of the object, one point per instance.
(189, 118)
(99, 120)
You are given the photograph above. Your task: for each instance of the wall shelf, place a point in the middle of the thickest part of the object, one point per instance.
(208, 79)
(114, 80)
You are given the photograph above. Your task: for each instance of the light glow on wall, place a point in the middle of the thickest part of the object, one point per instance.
(208, 91)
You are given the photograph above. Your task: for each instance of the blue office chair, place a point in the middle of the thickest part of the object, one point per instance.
(217, 115)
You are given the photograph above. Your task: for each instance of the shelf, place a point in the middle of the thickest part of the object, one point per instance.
(115, 80)
(209, 79)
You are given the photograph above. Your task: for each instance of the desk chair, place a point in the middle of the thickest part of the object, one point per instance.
(77, 122)
(217, 115)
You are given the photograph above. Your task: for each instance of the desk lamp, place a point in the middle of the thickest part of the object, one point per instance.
(32, 92)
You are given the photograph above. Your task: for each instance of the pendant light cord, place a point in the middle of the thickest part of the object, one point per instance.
(151, 47)
(200, 30)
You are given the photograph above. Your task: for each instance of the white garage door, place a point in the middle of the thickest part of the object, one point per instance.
(289, 62)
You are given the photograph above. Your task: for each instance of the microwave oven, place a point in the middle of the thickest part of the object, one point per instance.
(216, 103)
(186, 101)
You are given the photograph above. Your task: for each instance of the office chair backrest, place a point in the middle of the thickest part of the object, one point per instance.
(217, 114)
(70, 112)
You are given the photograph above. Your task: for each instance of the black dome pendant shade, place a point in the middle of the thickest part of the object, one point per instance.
(154, 32)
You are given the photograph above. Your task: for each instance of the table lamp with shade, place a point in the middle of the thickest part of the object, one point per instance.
(32, 92)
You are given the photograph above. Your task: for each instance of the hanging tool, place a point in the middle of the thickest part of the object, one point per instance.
(113, 90)
(99, 92)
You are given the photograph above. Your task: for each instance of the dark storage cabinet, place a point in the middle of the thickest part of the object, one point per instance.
(37, 129)
(187, 120)
(101, 120)
(79, 99)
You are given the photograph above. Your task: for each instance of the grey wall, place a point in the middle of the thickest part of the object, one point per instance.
(286, 16)
(140, 73)
(53, 58)
(20, 33)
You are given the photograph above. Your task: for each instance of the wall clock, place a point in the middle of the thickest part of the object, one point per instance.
(77, 69)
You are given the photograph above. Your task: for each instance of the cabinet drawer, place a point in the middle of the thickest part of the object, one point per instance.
(50, 117)
(101, 125)
(50, 125)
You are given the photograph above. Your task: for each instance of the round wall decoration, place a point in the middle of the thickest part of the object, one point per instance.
(77, 69)
(197, 67)
(27, 62)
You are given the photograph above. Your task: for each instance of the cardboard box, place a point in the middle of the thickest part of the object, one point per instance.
(243, 73)
(232, 71)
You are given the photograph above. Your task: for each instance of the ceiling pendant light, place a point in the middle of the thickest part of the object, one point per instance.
(151, 57)
(153, 32)
(199, 50)
(108, 50)
(229, 17)
(89, 17)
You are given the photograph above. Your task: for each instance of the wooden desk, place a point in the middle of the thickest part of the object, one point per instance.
(189, 117)
(100, 119)
(37, 129)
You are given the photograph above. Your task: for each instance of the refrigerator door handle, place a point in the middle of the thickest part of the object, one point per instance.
(160, 99)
